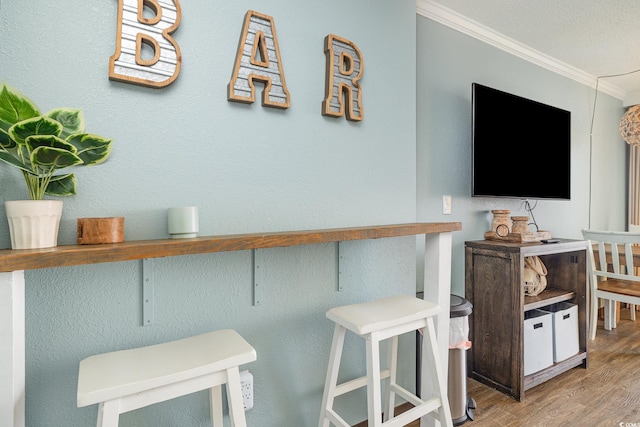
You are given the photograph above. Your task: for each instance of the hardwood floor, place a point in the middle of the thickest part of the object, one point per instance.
(606, 394)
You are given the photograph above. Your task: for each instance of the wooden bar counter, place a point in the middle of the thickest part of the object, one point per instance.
(13, 263)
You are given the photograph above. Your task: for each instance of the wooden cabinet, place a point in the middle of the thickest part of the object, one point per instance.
(494, 285)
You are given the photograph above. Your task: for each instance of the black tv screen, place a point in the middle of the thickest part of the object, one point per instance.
(521, 148)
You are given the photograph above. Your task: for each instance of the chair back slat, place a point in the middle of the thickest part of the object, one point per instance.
(628, 255)
(615, 258)
(602, 255)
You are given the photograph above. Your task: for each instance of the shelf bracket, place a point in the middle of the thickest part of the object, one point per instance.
(340, 256)
(147, 292)
(258, 276)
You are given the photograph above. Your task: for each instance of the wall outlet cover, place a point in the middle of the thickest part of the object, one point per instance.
(246, 385)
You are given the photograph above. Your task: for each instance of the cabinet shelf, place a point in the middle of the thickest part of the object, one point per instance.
(547, 297)
(557, 368)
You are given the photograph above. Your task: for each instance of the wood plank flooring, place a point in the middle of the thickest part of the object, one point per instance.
(606, 394)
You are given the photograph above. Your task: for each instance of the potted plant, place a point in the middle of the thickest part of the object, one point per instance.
(40, 146)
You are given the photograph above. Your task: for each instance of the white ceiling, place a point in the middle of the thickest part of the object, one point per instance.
(583, 39)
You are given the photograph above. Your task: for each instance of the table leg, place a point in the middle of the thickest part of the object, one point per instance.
(12, 349)
(437, 289)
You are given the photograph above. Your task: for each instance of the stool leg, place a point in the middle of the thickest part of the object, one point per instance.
(374, 395)
(108, 413)
(390, 395)
(215, 397)
(430, 351)
(331, 380)
(234, 396)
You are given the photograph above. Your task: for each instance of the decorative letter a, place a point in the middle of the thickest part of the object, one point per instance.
(135, 31)
(258, 58)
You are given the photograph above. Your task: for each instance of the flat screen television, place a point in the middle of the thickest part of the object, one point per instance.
(521, 148)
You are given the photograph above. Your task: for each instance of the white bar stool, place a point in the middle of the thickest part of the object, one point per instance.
(376, 321)
(122, 381)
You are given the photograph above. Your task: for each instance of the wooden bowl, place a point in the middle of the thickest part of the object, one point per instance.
(93, 231)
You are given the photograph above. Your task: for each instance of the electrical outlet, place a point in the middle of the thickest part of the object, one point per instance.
(446, 205)
(246, 385)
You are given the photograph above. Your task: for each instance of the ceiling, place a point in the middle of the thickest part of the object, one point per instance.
(583, 39)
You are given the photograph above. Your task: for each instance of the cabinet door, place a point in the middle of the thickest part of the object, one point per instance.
(494, 285)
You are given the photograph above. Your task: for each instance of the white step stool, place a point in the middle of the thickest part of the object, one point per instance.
(376, 321)
(125, 380)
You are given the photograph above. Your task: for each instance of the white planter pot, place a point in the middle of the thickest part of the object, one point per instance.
(33, 224)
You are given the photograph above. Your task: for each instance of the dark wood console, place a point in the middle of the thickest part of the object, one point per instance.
(494, 285)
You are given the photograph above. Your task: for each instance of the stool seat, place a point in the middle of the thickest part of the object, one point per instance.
(385, 313)
(142, 376)
(376, 321)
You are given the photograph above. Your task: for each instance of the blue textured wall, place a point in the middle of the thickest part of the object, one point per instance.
(246, 167)
(448, 62)
(250, 168)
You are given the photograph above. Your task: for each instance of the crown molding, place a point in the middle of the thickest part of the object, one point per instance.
(445, 16)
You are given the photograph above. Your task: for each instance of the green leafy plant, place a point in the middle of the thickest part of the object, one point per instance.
(41, 145)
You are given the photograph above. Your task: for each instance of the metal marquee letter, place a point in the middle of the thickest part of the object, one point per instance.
(136, 31)
(345, 66)
(258, 59)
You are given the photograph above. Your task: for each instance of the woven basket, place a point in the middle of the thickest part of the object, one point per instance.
(535, 276)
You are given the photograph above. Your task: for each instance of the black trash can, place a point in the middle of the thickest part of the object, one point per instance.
(461, 405)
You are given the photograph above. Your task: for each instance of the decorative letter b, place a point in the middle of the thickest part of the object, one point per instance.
(135, 32)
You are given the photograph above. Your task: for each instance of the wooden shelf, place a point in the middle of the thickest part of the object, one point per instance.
(69, 255)
(547, 297)
(539, 377)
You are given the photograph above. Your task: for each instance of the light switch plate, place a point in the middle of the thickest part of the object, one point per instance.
(446, 205)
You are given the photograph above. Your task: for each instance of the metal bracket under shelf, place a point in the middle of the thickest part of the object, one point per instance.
(147, 292)
(340, 256)
(258, 276)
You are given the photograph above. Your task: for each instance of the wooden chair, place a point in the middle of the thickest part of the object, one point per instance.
(634, 228)
(375, 321)
(122, 381)
(612, 274)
